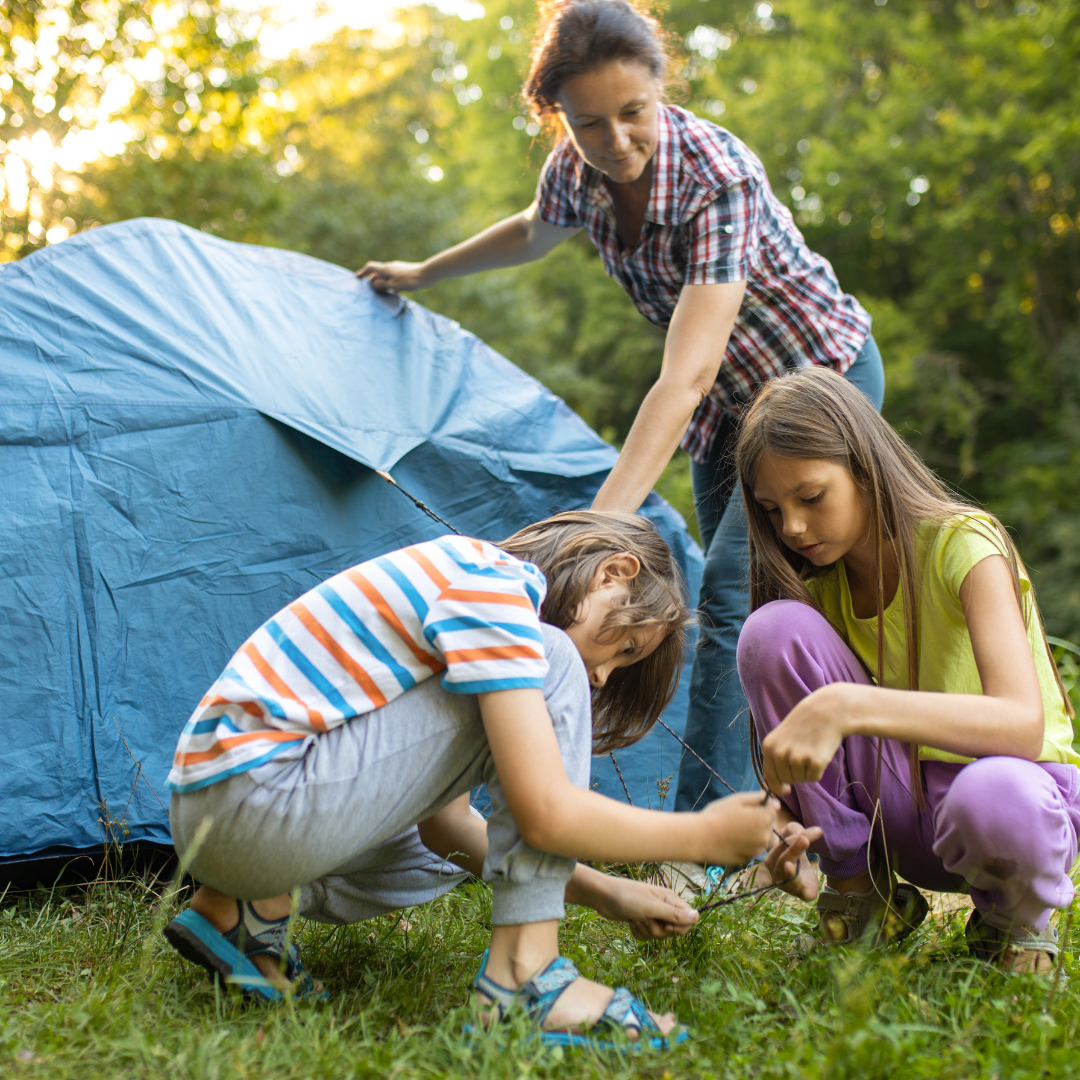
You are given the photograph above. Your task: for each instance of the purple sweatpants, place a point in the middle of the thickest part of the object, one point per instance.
(1003, 828)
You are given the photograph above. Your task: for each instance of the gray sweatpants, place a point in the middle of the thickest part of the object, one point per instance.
(338, 816)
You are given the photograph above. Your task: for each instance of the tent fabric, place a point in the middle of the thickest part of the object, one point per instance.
(188, 433)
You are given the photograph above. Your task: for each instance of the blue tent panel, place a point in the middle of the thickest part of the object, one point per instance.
(188, 433)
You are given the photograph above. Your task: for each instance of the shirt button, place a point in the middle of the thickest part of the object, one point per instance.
(729, 229)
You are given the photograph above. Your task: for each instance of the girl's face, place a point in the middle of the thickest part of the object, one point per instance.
(611, 117)
(603, 654)
(815, 506)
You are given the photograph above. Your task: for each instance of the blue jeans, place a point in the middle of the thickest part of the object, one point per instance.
(718, 722)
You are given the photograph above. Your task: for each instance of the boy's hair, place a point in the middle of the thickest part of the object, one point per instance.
(568, 548)
(816, 413)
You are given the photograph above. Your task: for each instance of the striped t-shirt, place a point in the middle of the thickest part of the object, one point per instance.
(455, 606)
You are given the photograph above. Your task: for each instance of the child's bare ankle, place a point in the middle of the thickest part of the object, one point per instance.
(223, 911)
(860, 883)
(218, 909)
(517, 953)
(277, 907)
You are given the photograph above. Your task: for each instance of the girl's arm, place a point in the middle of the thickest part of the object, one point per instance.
(519, 239)
(694, 349)
(1006, 719)
(457, 834)
(553, 815)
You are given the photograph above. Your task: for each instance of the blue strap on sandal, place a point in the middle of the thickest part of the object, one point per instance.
(227, 957)
(627, 1013)
(624, 1013)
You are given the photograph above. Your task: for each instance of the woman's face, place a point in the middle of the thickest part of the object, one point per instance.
(611, 117)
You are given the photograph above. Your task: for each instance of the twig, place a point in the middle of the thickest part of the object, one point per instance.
(686, 746)
(621, 780)
(138, 767)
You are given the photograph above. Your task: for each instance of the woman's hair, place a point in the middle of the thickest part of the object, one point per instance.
(568, 548)
(816, 413)
(579, 36)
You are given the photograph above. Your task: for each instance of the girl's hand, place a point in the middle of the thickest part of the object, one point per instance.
(800, 749)
(652, 911)
(797, 877)
(394, 277)
(737, 828)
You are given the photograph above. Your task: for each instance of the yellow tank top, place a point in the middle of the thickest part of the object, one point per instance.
(944, 555)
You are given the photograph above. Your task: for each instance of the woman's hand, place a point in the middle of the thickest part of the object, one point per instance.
(652, 911)
(516, 240)
(738, 828)
(800, 749)
(787, 863)
(394, 277)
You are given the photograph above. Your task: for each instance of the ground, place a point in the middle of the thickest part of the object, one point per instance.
(88, 988)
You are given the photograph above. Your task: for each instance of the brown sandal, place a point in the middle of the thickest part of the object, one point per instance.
(887, 911)
(991, 945)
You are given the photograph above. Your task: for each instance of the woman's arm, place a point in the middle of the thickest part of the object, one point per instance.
(694, 349)
(519, 239)
(555, 816)
(1006, 719)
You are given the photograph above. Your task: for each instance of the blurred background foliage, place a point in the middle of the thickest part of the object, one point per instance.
(929, 148)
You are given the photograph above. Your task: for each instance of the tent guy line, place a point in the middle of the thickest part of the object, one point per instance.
(427, 509)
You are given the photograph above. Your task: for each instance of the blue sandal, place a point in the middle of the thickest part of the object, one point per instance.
(624, 1013)
(227, 957)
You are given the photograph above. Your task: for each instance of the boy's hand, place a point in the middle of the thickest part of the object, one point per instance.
(737, 828)
(651, 910)
(800, 878)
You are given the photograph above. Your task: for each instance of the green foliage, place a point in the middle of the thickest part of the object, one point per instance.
(179, 79)
(89, 988)
(1067, 656)
(928, 149)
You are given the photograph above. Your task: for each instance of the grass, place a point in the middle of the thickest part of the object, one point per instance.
(88, 988)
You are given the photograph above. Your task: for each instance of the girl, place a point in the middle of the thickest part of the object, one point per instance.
(685, 221)
(953, 764)
(327, 759)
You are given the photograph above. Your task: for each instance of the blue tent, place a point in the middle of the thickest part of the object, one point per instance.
(188, 433)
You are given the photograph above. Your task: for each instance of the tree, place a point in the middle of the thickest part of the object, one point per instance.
(928, 148)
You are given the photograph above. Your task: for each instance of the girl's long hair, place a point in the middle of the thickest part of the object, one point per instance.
(815, 413)
(568, 548)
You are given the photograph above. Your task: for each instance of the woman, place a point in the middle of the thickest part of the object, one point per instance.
(685, 221)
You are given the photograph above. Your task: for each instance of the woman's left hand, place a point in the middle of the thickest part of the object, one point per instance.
(652, 911)
(800, 749)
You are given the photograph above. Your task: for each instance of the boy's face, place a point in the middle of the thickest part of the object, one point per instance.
(603, 654)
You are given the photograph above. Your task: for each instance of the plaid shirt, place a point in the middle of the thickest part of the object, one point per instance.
(712, 217)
